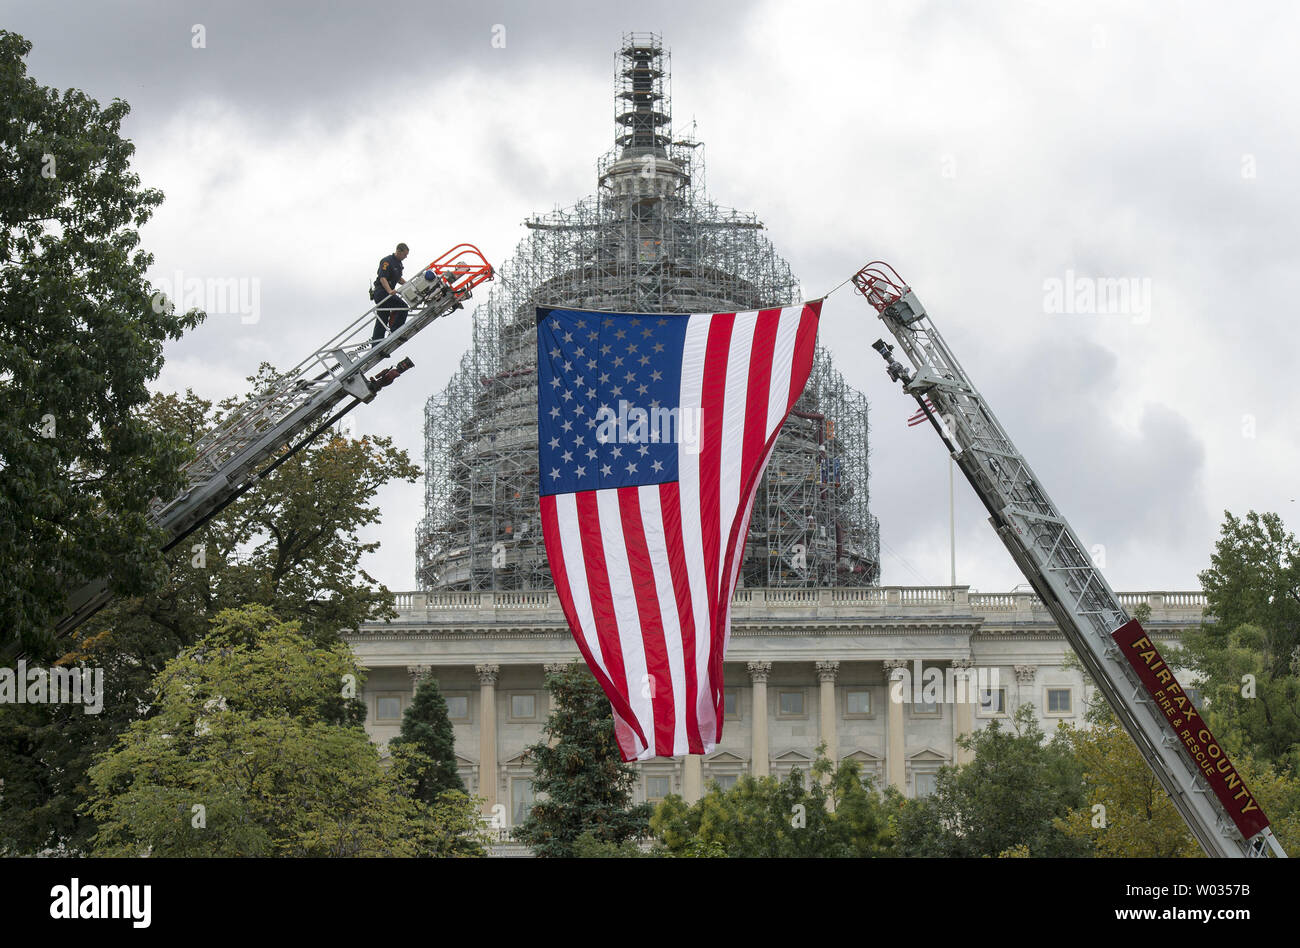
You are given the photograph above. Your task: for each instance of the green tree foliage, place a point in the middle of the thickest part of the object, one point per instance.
(305, 569)
(427, 745)
(1136, 817)
(835, 814)
(583, 786)
(80, 338)
(1249, 659)
(1008, 796)
(247, 729)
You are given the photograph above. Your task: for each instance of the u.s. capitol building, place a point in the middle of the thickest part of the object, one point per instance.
(804, 666)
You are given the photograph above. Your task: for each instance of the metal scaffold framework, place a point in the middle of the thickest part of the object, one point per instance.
(649, 240)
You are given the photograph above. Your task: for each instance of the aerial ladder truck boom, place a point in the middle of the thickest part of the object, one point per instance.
(1121, 658)
(297, 406)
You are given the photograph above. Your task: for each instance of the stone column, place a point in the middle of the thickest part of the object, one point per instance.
(553, 668)
(758, 672)
(418, 673)
(963, 717)
(692, 778)
(487, 734)
(895, 761)
(826, 672)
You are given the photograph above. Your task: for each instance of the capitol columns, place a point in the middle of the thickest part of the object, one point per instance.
(758, 672)
(963, 717)
(895, 761)
(418, 673)
(826, 673)
(487, 734)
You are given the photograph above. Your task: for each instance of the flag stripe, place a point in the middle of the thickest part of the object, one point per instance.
(700, 713)
(658, 682)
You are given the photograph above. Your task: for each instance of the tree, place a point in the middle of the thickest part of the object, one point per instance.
(427, 744)
(80, 338)
(1009, 795)
(837, 813)
(247, 756)
(583, 786)
(1126, 811)
(306, 572)
(1249, 660)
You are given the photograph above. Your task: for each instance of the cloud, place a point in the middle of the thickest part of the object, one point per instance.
(982, 149)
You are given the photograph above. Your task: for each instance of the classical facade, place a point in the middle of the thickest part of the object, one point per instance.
(804, 666)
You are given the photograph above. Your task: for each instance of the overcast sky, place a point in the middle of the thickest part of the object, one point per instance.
(993, 152)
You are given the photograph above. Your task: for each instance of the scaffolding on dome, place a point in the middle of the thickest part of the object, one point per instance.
(650, 240)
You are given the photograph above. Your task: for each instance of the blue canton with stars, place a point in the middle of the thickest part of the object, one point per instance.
(606, 383)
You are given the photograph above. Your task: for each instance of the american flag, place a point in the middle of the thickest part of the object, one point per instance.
(920, 416)
(652, 435)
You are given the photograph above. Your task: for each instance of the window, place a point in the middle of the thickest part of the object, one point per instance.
(926, 784)
(726, 781)
(923, 708)
(857, 702)
(458, 707)
(388, 708)
(790, 703)
(656, 788)
(730, 703)
(1058, 701)
(523, 707)
(993, 701)
(521, 799)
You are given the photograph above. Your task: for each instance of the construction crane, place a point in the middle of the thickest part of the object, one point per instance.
(295, 407)
(1123, 661)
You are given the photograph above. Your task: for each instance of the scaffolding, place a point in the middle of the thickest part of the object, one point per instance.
(649, 240)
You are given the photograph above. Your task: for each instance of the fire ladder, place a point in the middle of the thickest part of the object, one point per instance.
(296, 407)
(1054, 561)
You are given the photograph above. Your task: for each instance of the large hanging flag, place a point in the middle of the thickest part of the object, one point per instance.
(652, 435)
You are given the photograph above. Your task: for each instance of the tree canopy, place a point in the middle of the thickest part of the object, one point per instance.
(80, 338)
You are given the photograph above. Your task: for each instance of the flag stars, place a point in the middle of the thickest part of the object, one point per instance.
(555, 411)
(657, 466)
(555, 381)
(655, 375)
(591, 454)
(604, 378)
(555, 473)
(619, 334)
(647, 332)
(604, 350)
(582, 471)
(642, 389)
(631, 348)
(659, 347)
(568, 395)
(608, 322)
(618, 360)
(663, 322)
(643, 450)
(591, 393)
(568, 337)
(591, 363)
(566, 457)
(606, 470)
(631, 468)
(644, 360)
(630, 377)
(617, 452)
(555, 443)
(567, 426)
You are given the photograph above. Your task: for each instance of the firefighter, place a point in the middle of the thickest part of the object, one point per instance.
(391, 313)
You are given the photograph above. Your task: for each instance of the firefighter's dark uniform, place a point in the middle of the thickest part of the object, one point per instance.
(392, 311)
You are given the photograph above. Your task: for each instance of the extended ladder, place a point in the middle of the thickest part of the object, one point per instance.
(248, 445)
(1159, 717)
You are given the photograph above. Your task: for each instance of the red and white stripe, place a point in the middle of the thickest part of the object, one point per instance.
(646, 574)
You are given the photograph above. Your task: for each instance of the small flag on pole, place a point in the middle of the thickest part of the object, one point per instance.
(652, 435)
(920, 416)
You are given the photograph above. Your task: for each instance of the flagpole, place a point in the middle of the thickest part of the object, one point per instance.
(952, 521)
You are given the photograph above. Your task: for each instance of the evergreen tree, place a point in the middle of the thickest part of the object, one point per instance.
(427, 746)
(583, 786)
